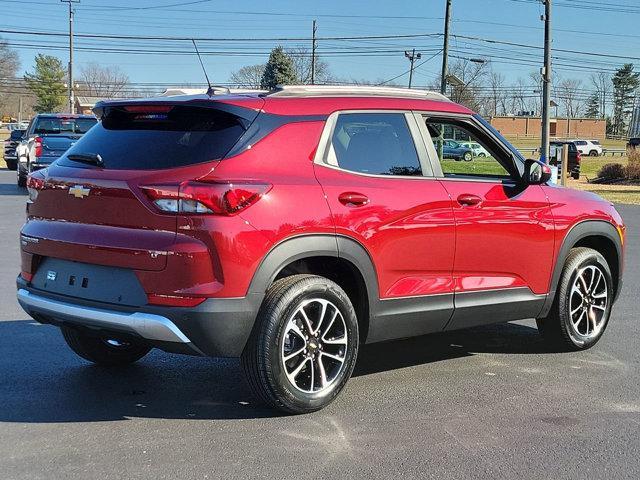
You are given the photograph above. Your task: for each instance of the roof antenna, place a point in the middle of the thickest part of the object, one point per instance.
(210, 90)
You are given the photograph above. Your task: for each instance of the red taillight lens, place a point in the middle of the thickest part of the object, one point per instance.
(218, 198)
(579, 157)
(37, 145)
(35, 182)
(174, 300)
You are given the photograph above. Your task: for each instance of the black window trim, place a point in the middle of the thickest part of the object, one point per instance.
(324, 145)
(513, 164)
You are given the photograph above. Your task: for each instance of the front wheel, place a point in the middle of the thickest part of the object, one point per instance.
(467, 157)
(304, 345)
(593, 153)
(582, 307)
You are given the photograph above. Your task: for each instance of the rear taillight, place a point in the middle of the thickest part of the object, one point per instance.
(37, 145)
(35, 183)
(579, 157)
(217, 198)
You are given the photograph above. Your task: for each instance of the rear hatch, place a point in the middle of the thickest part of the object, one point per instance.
(54, 146)
(91, 206)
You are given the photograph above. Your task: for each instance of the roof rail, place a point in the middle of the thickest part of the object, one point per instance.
(353, 91)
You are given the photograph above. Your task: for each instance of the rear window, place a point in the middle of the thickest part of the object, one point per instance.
(56, 125)
(159, 137)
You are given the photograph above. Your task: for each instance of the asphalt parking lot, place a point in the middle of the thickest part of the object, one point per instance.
(484, 403)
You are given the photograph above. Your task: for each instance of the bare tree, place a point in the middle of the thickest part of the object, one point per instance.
(497, 101)
(602, 83)
(248, 76)
(9, 64)
(568, 91)
(472, 76)
(301, 58)
(103, 81)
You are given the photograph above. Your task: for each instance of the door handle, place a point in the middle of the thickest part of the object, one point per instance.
(353, 199)
(468, 200)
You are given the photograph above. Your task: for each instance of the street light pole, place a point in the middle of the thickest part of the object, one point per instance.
(313, 54)
(70, 68)
(546, 84)
(412, 56)
(445, 50)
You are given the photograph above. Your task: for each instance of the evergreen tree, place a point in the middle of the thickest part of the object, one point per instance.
(47, 83)
(593, 106)
(278, 71)
(625, 84)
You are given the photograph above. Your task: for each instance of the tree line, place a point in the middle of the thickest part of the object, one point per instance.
(476, 85)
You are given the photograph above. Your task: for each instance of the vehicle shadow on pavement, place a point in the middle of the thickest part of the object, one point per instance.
(508, 338)
(42, 381)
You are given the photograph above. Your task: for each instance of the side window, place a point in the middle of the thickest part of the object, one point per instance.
(374, 143)
(464, 153)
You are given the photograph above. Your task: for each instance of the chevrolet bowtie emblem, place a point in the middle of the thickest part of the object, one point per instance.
(79, 191)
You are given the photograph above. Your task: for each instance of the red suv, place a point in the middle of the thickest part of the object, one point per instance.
(290, 228)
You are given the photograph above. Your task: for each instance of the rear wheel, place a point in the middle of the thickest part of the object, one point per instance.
(581, 310)
(593, 153)
(104, 351)
(304, 344)
(11, 164)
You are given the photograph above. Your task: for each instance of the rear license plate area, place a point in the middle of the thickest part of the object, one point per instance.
(98, 283)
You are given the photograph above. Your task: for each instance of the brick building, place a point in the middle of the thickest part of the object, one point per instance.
(516, 126)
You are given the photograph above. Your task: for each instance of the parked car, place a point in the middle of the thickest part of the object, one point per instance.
(10, 145)
(477, 149)
(575, 158)
(455, 150)
(47, 137)
(633, 142)
(290, 228)
(591, 148)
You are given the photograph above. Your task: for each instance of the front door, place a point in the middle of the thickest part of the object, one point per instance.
(382, 193)
(504, 230)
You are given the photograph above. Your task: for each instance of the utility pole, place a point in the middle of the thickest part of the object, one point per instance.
(20, 109)
(313, 55)
(412, 56)
(70, 68)
(445, 50)
(546, 83)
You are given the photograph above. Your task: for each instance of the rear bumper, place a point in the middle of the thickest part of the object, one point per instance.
(217, 327)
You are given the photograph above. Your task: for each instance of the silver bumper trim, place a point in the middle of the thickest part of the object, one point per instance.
(147, 325)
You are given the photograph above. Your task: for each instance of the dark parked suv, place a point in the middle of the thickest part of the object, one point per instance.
(292, 227)
(575, 158)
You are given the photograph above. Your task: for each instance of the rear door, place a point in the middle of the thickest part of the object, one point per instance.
(382, 193)
(504, 229)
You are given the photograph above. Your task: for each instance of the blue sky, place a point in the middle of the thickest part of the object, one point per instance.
(577, 28)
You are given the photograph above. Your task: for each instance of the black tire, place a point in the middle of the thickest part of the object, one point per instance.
(482, 155)
(593, 153)
(467, 156)
(22, 179)
(11, 164)
(575, 176)
(262, 361)
(557, 328)
(100, 351)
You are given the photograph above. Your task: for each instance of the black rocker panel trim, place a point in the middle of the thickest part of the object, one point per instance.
(485, 307)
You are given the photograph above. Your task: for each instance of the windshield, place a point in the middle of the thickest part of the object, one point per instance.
(62, 125)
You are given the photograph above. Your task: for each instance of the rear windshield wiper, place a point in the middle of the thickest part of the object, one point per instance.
(91, 158)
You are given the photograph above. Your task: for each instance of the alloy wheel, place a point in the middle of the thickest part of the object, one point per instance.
(314, 346)
(588, 301)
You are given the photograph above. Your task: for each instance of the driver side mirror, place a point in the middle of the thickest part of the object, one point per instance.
(536, 172)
